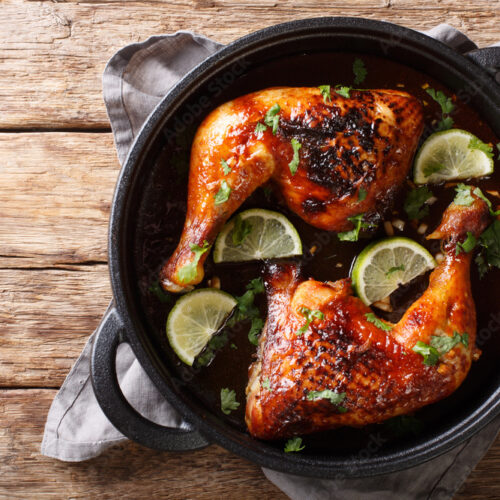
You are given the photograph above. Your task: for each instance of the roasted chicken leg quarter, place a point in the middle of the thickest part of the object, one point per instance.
(353, 154)
(346, 367)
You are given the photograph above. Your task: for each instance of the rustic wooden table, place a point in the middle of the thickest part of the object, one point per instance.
(57, 171)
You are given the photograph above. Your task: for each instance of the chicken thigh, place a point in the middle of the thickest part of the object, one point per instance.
(330, 157)
(324, 360)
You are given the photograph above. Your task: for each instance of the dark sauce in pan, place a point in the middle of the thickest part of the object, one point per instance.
(161, 216)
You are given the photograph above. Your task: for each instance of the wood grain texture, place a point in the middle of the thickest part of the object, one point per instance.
(52, 54)
(127, 471)
(47, 316)
(55, 196)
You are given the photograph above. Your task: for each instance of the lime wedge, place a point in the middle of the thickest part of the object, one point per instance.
(193, 320)
(384, 265)
(269, 235)
(450, 155)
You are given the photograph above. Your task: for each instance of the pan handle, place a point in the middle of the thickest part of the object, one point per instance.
(114, 405)
(489, 59)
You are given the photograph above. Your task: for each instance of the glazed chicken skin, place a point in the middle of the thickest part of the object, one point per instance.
(354, 155)
(343, 352)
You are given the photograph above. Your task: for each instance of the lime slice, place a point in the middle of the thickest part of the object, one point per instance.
(271, 235)
(384, 265)
(449, 155)
(193, 320)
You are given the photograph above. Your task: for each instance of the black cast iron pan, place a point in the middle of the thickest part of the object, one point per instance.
(147, 181)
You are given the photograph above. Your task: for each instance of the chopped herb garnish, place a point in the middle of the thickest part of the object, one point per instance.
(334, 397)
(223, 194)
(361, 194)
(343, 91)
(228, 401)
(225, 167)
(377, 322)
(394, 269)
(272, 118)
(429, 353)
(476, 143)
(187, 272)
(359, 70)
(233, 346)
(310, 317)
(443, 344)
(326, 93)
(432, 168)
(404, 424)
(415, 201)
(464, 197)
(260, 127)
(489, 244)
(353, 234)
(242, 228)
(161, 295)
(215, 344)
(498, 149)
(293, 445)
(468, 245)
(447, 107)
(294, 164)
(266, 383)
(247, 310)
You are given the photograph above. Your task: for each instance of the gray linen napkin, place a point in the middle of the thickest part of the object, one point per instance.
(135, 80)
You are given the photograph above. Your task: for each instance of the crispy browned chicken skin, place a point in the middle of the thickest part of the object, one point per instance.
(377, 370)
(365, 142)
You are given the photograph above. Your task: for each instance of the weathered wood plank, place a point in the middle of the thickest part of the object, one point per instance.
(47, 316)
(127, 471)
(52, 54)
(55, 197)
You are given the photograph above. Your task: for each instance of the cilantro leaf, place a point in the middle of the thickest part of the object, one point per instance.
(429, 353)
(404, 424)
(432, 168)
(394, 269)
(223, 194)
(359, 70)
(293, 445)
(266, 383)
(187, 272)
(334, 397)
(225, 167)
(343, 91)
(468, 245)
(161, 295)
(310, 316)
(377, 322)
(489, 244)
(463, 196)
(326, 93)
(294, 164)
(476, 143)
(228, 401)
(242, 228)
(414, 202)
(444, 344)
(361, 194)
(353, 234)
(445, 102)
(447, 107)
(260, 127)
(272, 118)
(247, 310)
(233, 346)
